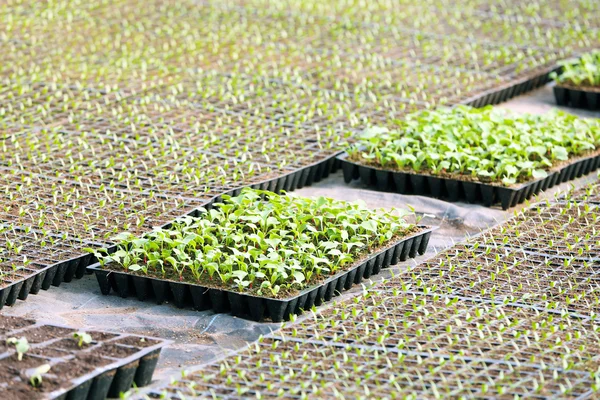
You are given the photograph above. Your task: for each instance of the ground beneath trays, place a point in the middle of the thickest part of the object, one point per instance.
(200, 337)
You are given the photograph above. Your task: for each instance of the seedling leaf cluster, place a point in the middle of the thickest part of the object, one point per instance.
(582, 72)
(261, 242)
(481, 145)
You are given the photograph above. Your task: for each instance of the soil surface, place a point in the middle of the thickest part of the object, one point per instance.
(56, 347)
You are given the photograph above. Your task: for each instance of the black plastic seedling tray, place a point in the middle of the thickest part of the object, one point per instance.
(457, 190)
(109, 380)
(512, 89)
(577, 98)
(255, 307)
(43, 277)
(291, 181)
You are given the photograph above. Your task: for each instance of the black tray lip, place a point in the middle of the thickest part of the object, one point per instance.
(424, 231)
(46, 267)
(525, 185)
(279, 177)
(231, 192)
(543, 74)
(572, 89)
(75, 382)
(568, 91)
(215, 199)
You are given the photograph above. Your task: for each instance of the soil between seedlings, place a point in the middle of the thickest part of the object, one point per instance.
(80, 365)
(283, 293)
(70, 345)
(45, 333)
(48, 352)
(101, 336)
(12, 372)
(114, 351)
(136, 341)
(8, 324)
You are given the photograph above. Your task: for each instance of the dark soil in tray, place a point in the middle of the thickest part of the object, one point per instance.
(8, 324)
(48, 352)
(114, 351)
(136, 341)
(44, 333)
(70, 344)
(79, 365)
(103, 368)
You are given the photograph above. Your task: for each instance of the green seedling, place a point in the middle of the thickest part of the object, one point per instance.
(485, 145)
(82, 338)
(36, 377)
(21, 346)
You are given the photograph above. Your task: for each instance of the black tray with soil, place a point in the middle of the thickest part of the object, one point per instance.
(106, 367)
(297, 179)
(257, 308)
(40, 275)
(512, 89)
(456, 190)
(290, 181)
(586, 98)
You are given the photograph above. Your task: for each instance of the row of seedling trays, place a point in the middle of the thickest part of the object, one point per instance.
(41, 275)
(56, 362)
(411, 340)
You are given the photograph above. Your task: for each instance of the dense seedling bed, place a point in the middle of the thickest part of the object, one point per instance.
(397, 343)
(32, 260)
(567, 229)
(489, 318)
(588, 194)
(546, 257)
(49, 361)
(87, 212)
(513, 276)
(481, 155)
(578, 83)
(260, 254)
(128, 124)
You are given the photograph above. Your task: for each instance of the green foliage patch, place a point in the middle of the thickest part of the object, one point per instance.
(486, 144)
(584, 71)
(260, 242)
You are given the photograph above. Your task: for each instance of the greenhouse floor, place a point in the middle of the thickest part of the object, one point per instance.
(200, 337)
